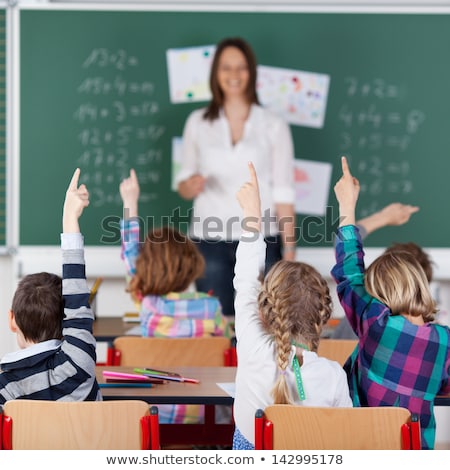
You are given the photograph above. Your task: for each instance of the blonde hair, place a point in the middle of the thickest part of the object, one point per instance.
(398, 280)
(294, 304)
(168, 261)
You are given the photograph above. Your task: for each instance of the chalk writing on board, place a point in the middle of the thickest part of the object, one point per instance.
(117, 129)
(102, 57)
(377, 128)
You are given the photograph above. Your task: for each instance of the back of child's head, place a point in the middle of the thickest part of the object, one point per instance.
(397, 279)
(294, 304)
(38, 307)
(168, 261)
(419, 254)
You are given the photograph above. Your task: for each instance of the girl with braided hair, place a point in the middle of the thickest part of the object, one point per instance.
(278, 325)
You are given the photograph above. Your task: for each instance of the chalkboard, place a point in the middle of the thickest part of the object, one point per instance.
(94, 94)
(3, 204)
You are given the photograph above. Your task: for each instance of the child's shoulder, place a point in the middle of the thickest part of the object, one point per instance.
(322, 364)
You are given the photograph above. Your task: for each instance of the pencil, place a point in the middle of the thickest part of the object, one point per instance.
(94, 289)
(125, 385)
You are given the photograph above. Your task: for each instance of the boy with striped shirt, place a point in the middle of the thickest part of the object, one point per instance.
(52, 320)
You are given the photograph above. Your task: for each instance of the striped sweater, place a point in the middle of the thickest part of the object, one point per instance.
(59, 369)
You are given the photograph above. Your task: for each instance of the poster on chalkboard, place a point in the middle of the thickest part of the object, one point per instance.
(299, 97)
(188, 71)
(312, 186)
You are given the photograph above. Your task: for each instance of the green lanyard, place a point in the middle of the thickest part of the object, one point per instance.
(298, 375)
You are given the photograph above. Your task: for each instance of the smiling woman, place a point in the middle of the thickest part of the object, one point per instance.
(218, 141)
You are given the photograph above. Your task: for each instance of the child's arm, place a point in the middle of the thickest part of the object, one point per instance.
(250, 257)
(129, 227)
(392, 214)
(129, 192)
(347, 192)
(77, 198)
(249, 199)
(349, 268)
(78, 341)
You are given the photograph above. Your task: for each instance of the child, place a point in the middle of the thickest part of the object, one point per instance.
(56, 360)
(278, 327)
(344, 329)
(402, 359)
(161, 270)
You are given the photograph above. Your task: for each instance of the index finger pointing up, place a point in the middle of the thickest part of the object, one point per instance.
(253, 177)
(345, 168)
(74, 181)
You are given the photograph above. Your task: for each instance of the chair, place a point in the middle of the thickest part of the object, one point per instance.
(135, 351)
(284, 427)
(106, 425)
(336, 349)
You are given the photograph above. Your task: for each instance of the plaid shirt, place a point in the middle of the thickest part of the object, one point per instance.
(187, 314)
(396, 363)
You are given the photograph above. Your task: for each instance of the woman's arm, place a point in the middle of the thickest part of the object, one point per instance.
(283, 186)
(189, 182)
(286, 221)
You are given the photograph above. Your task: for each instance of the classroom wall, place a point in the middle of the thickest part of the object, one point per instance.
(112, 298)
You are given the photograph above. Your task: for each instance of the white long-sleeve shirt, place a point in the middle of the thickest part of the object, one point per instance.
(324, 381)
(208, 150)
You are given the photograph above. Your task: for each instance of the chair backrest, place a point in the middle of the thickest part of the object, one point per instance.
(104, 425)
(136, 351)
(336, 349)
(301, 427)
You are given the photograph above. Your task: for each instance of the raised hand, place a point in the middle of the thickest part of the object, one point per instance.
(77, 198)
(397, 213)
(129, 191)
(249, 199)
(347, 192)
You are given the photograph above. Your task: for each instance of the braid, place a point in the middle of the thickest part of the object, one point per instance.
(294, 304)
(276, 309)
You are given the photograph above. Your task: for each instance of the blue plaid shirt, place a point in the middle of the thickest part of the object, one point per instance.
(396, 363)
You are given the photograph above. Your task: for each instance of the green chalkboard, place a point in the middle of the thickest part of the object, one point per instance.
(94, 93)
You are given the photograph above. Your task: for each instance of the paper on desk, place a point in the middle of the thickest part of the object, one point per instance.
(134, 331)
(228, 387)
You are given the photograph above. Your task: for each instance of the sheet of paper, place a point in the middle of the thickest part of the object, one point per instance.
(299, 97)
(176, 159)
(228, 387)
(312, 186)
(188, 71)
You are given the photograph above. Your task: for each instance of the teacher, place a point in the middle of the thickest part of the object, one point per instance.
(218, 142)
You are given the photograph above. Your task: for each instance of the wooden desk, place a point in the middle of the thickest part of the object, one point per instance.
(108, 328)
(207, 393)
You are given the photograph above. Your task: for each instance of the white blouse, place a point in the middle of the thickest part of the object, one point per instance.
(208, 150)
